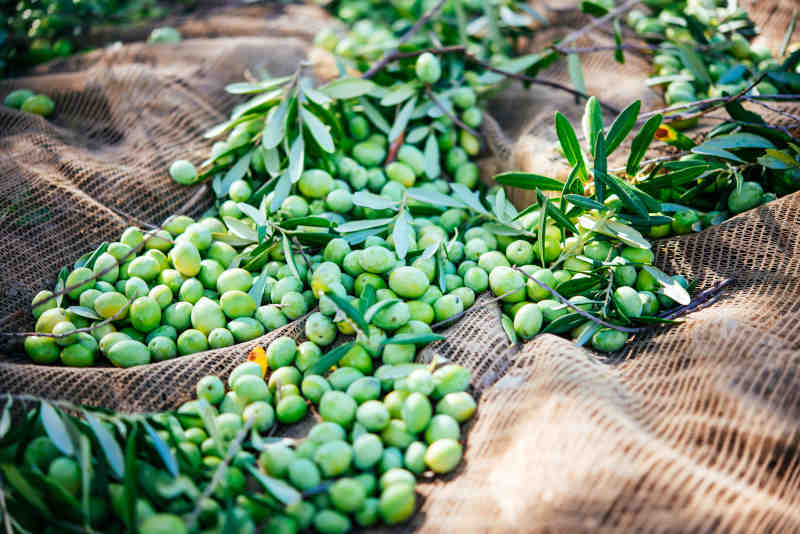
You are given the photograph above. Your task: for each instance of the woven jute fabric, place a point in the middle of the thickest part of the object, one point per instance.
(692, 428)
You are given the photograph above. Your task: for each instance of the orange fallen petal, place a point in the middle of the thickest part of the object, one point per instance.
(259, 355)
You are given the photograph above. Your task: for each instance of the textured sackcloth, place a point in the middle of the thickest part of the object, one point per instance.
(693, 428)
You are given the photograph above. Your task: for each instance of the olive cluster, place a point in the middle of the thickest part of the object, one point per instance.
(27, 100)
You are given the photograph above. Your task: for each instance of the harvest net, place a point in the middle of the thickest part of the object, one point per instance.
(691, 428)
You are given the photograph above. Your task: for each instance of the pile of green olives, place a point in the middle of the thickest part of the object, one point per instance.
(27, 100)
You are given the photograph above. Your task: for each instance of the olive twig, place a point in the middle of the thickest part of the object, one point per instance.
(233, 450)
(87, 329)
(458, 122)
(702, 300)
(574, 36)
(581, 312)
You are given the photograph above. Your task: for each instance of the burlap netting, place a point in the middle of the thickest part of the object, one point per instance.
(691, 428)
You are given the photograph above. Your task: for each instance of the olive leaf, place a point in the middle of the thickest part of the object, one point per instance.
(170, 462)
(256, 104)
(354, 226)
(108, 444)
(349, 310)
(15, 478)
(207, 415)
(331, 358)
(434, 198)
(585, 202)
(401, 120)
(622, 126)
(282, 189)
(296, 159)
(619, 55)
(83, 311)
(276, 487)
(374, 115)
(576, 72)
(235, 173)
(244, 88)
(272, 161)
(416, 339)
(440, 256)
(221, 128)
(129, 484)
(694, 63)
(564, 323)
(641, 143)
(569, 143)
(401, 234)
(319, 130)
(592, 122)
(623, 232)
(527, 180)
(85, 457)
(275, 129)
(600, 167)
(56, 429)
(669, 286)
(469, 198)
(318, 97)
(400, 93)
(373, 201)
(587, 334)
(289, 256)
(344, 88)
(418, 134)
(61, 280)
(508, 328)
(240, 229)
(5, 419)
(377, 307)
(432, 167)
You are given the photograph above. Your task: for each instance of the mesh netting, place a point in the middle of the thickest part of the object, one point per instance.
(691, 428)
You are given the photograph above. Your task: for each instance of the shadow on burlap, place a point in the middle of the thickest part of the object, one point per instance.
(691, 428)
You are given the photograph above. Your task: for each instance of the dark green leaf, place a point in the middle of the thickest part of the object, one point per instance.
(717, 152)
(374, 115)
(57, 430)
(627, 195)
(373, 201)
(737, 111)
(401, 121)
(108, 444)
(401, 234)
(696, 28)
(400, 93)
(349, 310)
(592, 8)
(377, 307)
(87, 260)
(669, 286)
(432, 167)
(311, 220)
(578, 286)
(561, 218)
(564, 324)
(592, 122)
(130, 483)
(470, 198)
(569, 143)
(368, 297)
(585, 202)
(276, 487)
(508, 328)
(85, 456)
(83, 311)
(735, 74)
(355, 226)
(440, 270)
(542, 200)
(289, 256)
(737, 141)
(296, 159)
(15, 478)
(319, 130)
(619, 55)
(622, 126)
(600, 168)
(675, 178)
(623, 232)
(641, 143)
(170, 462)
(344, 88)
(408, 339)
(526, 180)
(331, 358)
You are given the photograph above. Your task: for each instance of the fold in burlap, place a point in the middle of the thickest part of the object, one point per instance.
(690, 428)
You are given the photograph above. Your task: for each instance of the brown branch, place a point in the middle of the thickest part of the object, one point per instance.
(702, 300)
(458, 316)
(574, 36)
(394, 148)
(449, 114)
(419, 24)
(394, 56)
(778, 111)
(606, 48)
(87, 329)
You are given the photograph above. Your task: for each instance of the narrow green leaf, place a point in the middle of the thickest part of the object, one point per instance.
(89, 260)
(374, 115)
(373, 201)
(282, 190)
(85, 456)
(296, 159)
(622, 126)
(57, 430)
(592, 122)
(275, 130)
(401, 121)
(417, 339)
(221, 128)
(787, 36)
(564, 324)
(432, 166)
(276, 487)
(257, 290)
(561, 218)
(130, 483)
(373, 310)
(737, 141)
(257, 106)
(108, 444)
(209, 422)
(331, 358)
(348, 309)
(240, 229)
(600, 168)
(593, 8)
(289, 256)
(669, 286)
(319, 130)
(312, 220)
(627, 195)
(318, 97)
(5, 419)
(576, 72)
(440, 270)
(236, 172)
(418, 134)
(527, 180)
(400, 93)
(587, 334)
(83, 311)
(585, 202)
(344, 88)
(355, 226)
(434, 198)
(60, 284)
(569, 143)
(641, 143)
(508, 328)
(254, 213)
(619, 55)
(401, 234)
(542, 201)
(623, 232)
(470, 198)
(13, 475)
(578, 286)
(244, 88)
(694, 63)
(163, 450)
(717, 153)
